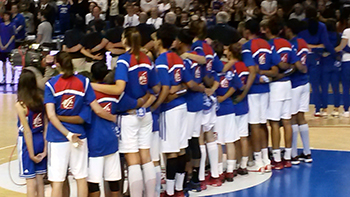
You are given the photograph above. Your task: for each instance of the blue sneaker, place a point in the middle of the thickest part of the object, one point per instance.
(191, 186)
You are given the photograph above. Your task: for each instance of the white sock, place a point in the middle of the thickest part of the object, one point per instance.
(231, 164)
(277, 155)
(221, 168)
(244, 162)
(295, 129)
(149, 175)
(135, 180)
(304, 133)
(213, 154)
(170, 185)
(158, 179)
(179, 181)
(201, 174)
(287, 153)
(257, 157)
(265, 156)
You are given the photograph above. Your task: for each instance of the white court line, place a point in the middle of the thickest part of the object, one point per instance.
(6, 147)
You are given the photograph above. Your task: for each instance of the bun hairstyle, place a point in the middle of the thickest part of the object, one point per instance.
(28, 91)
(199, 29)
(66, 66)
(133, 40)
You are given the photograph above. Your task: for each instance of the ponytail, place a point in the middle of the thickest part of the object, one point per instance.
(133, 40)
(65, 61)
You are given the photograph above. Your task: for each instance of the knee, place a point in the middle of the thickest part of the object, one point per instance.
(93, 187)
(114, 186)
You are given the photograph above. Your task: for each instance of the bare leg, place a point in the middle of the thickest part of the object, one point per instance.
(40, 185)
(31, 187)
(56, 189)
(82, 187)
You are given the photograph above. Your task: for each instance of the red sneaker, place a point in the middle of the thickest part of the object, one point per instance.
(179, 194)
(235, 173)
(215, 182)
(203, 185)
(277, 165)
(287, 163)
(222, 177)
(229, 176)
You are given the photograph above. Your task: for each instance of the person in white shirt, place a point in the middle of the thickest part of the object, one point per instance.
(103, 5)
(163, 6)
(147, 5)
(131, 19)
(269, 8)
(183, 4)
(155, 20)
(298, 12)
(89, 17)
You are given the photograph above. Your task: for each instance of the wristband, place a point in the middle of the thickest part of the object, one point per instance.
(69, 136)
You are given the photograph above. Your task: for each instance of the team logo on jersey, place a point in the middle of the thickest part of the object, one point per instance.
(143, 77)
(224, 82)
(210, 65)
(229, 75)
(37, 121)
(197, 72)
(262, 58)
(107, 107)
(284, 58)
(303, 59)
(177, 75)
(67, 101)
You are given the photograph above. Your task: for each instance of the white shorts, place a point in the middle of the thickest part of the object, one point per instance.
(194, 122)
(135, 133)
(209, 118)
(79, 64)
(155, 146)
(104, 168)
(300, 99)
(64, 154)
(225, 127)
(279, 110)
(173, 126)
(242, 125)
(280, 90)
(258, 104)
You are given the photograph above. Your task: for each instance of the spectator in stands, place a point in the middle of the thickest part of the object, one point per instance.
(280, 13)
(64, 16)
(147, 5)
(114, 37)
(146, 30)
(71, 44)
(217, 5)
(44, 33)
(268, 8)
(131, 19)
(163, 7)
(96, 14)
(94, 45)
(222, 31)
(19, 21)
(251, 10)
(113, 12)
(298, 12)
(7, 43)
(309, 3)
(170, 18)
(50, 10)
(103, 4)
(235, 8)
(90, 16)
(183, 4)
(29, 19)
(326, 10)
(184, 19)
(80, 8)
(155, 20)
(210, 17)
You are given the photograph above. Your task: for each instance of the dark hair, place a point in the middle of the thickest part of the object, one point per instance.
(275, 25)
(79, 24)
(253, 26)
(312, 24)
(331, 25)
(218, 47)
(109, 79)
(199, 29)
(65, 61)
(44, 13)
(117, 21)
(99, 71)
(185, 36)
(294, 24)
(167, 34)
(99, 25)
(133, 39)
(236, 50)
(28, 91)
(9, 14)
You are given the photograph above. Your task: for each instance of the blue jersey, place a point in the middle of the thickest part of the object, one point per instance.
(258, 52)
(213, 61)
(136, 73)
(19, 20)
(171, 72)
(227, 81)
(63, 12)
(298, 78)
(70, 96)
(194, 99)
(6, 32)
(242, 72)
(101, 133)
(286, 52)
(35, 122)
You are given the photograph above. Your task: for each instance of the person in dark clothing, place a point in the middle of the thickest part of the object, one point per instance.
(79, 8)
(146, 30)
(63, 16)
(50, 10)
(114, 36)
(222, 31)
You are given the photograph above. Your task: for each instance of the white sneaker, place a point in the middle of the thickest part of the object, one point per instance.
(3, 82)
(258, 167)
(324, 114)
(268, 166)
(335, 114)
(317, 114)
(346, 114)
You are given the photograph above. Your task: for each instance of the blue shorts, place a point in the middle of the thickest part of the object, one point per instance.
(27, 167)
(155, 117)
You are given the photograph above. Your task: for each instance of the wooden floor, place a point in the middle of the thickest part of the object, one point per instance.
(325, 133)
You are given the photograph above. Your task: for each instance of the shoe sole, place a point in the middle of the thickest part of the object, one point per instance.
(308, 160)
(296, 163)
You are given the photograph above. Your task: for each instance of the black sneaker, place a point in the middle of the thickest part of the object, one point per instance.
(305, 158)
(242, 171)
(295, 160)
